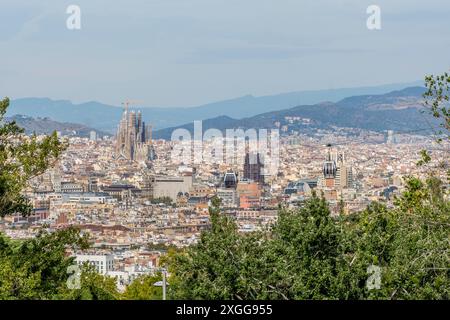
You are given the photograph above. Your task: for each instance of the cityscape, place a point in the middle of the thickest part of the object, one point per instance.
(239, 153)
(133, 198)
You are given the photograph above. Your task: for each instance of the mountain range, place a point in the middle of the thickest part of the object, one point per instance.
(105, 117)
(47, 126)
(399, 110)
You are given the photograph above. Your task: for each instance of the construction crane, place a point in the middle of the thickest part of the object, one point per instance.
(128, 102)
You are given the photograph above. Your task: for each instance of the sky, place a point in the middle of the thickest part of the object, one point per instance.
(168, 53)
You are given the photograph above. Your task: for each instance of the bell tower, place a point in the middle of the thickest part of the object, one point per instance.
(329, 170)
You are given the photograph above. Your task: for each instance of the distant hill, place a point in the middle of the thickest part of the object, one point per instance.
(92, 114)
(396, 110)
(47, 126)
(106, 117)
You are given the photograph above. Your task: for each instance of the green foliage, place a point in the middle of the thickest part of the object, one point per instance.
(424, 158)
(21, 158)
(17, 283)
(310, 255)
(308, 240)
(143, 288)
(412, 244)
(37, 268)
(93, 286)
(437, 98)
(212, 262)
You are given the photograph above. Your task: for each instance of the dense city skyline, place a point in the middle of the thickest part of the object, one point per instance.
(224, 150)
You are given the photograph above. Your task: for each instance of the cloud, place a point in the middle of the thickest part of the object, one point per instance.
(187, 52)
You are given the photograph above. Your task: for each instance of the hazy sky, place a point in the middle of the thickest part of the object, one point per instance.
(190, 52)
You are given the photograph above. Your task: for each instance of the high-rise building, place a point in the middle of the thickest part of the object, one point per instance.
(337, 174)
(134, 139)
(344, 172)
(253, 167)
(329, 170)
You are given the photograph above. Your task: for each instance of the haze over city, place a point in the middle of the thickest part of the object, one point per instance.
(187, 53)
(241, 152)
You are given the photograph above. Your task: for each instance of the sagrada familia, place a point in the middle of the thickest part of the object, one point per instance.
(134, 138)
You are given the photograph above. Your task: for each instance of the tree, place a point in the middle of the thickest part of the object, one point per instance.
(207, 270)
(143, 288)
(310, 255)
(93, 286)
(211, 269)
(21, 158)
(34, 268)
(308, 244)
(17, 283)
(295, 260)
(437, 98)
(37, 268)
